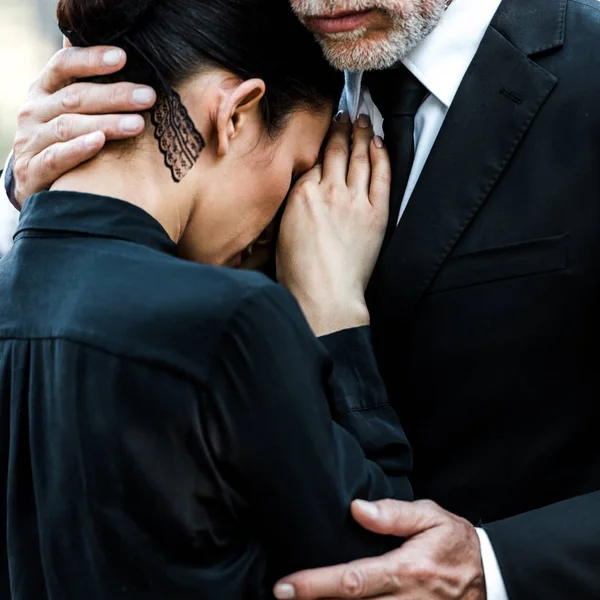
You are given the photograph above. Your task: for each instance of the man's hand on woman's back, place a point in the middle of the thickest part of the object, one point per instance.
(64, 123)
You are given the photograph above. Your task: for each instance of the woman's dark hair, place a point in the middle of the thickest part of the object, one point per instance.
(250, 38)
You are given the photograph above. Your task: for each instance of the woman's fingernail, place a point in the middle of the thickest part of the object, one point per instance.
(93, 139)
(284, 591)
(363, 121)
(367, 507)
(131, 124)
(143, 96)
(378, 141)
(342, 117)
(112, 58)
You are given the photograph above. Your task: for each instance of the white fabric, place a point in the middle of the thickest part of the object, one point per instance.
(494, 584)
(439, 63)
(9, 217)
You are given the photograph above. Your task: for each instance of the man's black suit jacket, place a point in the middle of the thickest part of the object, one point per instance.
(486, 304)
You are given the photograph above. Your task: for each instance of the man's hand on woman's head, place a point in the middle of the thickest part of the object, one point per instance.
(65, 123)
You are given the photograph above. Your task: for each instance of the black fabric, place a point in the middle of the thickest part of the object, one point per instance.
(173, 430)
(398, 95)
(485, 305)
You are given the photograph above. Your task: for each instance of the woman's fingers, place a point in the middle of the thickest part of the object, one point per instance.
(359, 171)
(69, 64)
(315, 174)
(56, 160)
(381, 177)
(337, 150)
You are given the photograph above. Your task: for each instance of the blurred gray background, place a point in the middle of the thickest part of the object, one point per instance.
(28, 38)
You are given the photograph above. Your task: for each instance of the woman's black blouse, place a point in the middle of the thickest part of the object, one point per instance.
(170, 430)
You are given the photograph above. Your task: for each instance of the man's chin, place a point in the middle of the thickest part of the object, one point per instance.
(357, 52)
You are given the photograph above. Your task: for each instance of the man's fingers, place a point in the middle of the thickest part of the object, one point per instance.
(70, 127)
(359, 579)
(69, 64)
(56, 160)
(337, 150)
(359, 171)
(95, 99)
(381, 175)
(397, 518)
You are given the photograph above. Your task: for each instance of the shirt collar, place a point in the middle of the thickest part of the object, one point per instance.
(441, 60)
(91, 215)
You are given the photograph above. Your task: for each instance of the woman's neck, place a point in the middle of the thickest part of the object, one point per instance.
(146, 186)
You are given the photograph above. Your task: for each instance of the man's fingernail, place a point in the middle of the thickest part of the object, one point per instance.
(131, 124)
(93, 139)
(112, 58)
(284, 591)
(363, 121)
(143, 96)
(367, 507)
(342, 117)
(378, 141)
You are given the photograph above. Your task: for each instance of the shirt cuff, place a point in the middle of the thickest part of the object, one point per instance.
(494, 583)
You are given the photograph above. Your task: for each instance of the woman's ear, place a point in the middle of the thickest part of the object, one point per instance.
(238, 106)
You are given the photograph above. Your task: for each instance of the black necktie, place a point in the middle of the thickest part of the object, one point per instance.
(397, 93)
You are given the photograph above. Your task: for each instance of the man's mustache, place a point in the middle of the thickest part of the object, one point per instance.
(319, 8)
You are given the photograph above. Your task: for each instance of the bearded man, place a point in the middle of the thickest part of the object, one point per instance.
(485, 299)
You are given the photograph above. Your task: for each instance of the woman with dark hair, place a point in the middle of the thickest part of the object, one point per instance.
(171, 426)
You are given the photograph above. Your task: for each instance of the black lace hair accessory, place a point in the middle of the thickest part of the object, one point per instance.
(178, 139)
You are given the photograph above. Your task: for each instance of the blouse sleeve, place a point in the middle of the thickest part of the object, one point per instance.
(275, 397)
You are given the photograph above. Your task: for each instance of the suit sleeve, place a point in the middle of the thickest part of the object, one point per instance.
(552, 552)
(272, 389)
(9, 216)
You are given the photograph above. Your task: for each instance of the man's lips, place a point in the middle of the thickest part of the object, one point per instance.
(340, 22)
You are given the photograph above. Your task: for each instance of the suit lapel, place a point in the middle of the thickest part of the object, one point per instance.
(496, 103)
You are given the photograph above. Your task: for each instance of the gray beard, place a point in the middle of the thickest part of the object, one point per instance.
(351, 52)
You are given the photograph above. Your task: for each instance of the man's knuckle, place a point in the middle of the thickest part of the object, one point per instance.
(428, 504)
(422, 571)
(352, 583)
(25, 114)
(71, 98)
(59, 61)
(63, 128)
(20, 144)
(21, 171)
(118, 96)
(49, 159)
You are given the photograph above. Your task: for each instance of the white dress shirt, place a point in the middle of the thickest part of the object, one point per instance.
(439, 63)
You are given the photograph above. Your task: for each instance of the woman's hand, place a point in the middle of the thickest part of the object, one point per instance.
(333, 228)
(63, 123)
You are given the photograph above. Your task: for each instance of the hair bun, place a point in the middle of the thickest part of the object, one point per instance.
(94, 22)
